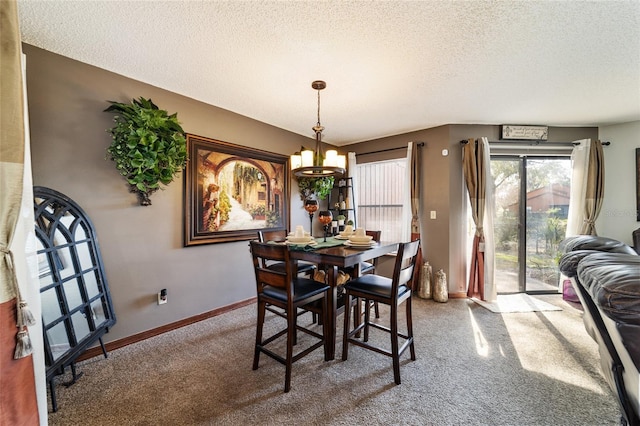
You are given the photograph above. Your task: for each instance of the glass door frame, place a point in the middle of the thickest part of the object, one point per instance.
(523, 215)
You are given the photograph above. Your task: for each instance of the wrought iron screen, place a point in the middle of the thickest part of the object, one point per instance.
(76, 303)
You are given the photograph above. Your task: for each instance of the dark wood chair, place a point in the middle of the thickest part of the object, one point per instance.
(369, 267)
(287, 291)
(392, 292)
(306, 268)
(636, 240)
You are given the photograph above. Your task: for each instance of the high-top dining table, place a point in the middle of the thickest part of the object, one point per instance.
(330, 259)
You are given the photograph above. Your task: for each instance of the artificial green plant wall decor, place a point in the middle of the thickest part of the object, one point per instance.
(149, 146)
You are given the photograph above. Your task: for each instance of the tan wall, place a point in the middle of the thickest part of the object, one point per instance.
(444, 240)
(141, 246)
(618, 215)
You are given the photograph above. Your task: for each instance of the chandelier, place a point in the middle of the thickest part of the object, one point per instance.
(313, 164)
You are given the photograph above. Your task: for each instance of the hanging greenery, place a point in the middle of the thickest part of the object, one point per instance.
(149, 146)
(320, 186)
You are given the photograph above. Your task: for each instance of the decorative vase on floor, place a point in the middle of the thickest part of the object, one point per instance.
(425, 282)
(440, 289)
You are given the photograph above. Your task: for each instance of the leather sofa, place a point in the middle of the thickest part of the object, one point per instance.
(605, 274)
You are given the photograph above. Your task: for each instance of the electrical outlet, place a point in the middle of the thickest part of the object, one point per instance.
(162, 296)
(433, 214)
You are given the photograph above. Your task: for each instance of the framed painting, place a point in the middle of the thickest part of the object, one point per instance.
(231, 192)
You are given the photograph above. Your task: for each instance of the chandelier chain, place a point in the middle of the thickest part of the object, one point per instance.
(318, 107)
(312, 164)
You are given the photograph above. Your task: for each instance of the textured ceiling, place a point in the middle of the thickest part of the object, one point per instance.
(390, 66)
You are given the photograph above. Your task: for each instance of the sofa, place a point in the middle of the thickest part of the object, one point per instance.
(605, 274)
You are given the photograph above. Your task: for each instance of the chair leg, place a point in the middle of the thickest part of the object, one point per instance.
(291, 335)
(256, 354)
(295, 328)
(377, 309)
(357, 313)
(410, 329)
(345, 335)
(325, 326)
(394, 343)
(367, 319)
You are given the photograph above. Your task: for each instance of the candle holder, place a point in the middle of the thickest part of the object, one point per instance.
(325, 217)
(311, 206)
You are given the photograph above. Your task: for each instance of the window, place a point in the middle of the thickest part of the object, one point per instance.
(381, 190)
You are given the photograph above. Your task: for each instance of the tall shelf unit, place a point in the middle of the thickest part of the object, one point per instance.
(342, 202)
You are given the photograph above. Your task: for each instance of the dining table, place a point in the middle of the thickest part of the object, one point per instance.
(331, 256)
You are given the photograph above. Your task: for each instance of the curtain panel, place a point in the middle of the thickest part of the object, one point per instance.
(352, 172)
(594, 193)
(18, 403)
(579, 170)
(414, 164)
(407, 214)
(477, 176)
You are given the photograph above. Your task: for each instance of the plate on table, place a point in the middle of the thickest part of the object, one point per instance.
(360, 245)
(306, 235)
(362, 239)
(342, 237)
(301, 241)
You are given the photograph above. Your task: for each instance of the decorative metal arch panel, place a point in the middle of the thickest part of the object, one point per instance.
(76, 303)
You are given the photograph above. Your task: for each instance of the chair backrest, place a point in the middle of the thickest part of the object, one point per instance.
(374, 234)
(636, 240)
(405, 264)
(263, 253)
(266, 236)
(375, 237)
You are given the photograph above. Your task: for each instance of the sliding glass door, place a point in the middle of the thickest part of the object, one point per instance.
(532, 202)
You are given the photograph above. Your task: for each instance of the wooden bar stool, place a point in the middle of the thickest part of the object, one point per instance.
(391, 292)
(306, 268)
(287, 291)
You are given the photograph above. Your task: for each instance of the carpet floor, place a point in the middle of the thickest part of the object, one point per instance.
(473, 367)
(519, 302)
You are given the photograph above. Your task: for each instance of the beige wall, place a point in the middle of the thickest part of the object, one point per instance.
(444, 241)
(141, 246)
(618, 215)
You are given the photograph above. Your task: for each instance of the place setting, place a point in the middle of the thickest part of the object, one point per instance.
(300, 237)
(344, 235)
(359, 239)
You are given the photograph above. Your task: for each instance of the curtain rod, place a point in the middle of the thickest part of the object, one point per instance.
(537, 143)
(388, 149)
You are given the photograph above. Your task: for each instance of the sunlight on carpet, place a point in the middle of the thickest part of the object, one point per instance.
(520, 302)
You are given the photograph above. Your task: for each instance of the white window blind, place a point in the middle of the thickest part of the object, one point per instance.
(381, 187)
